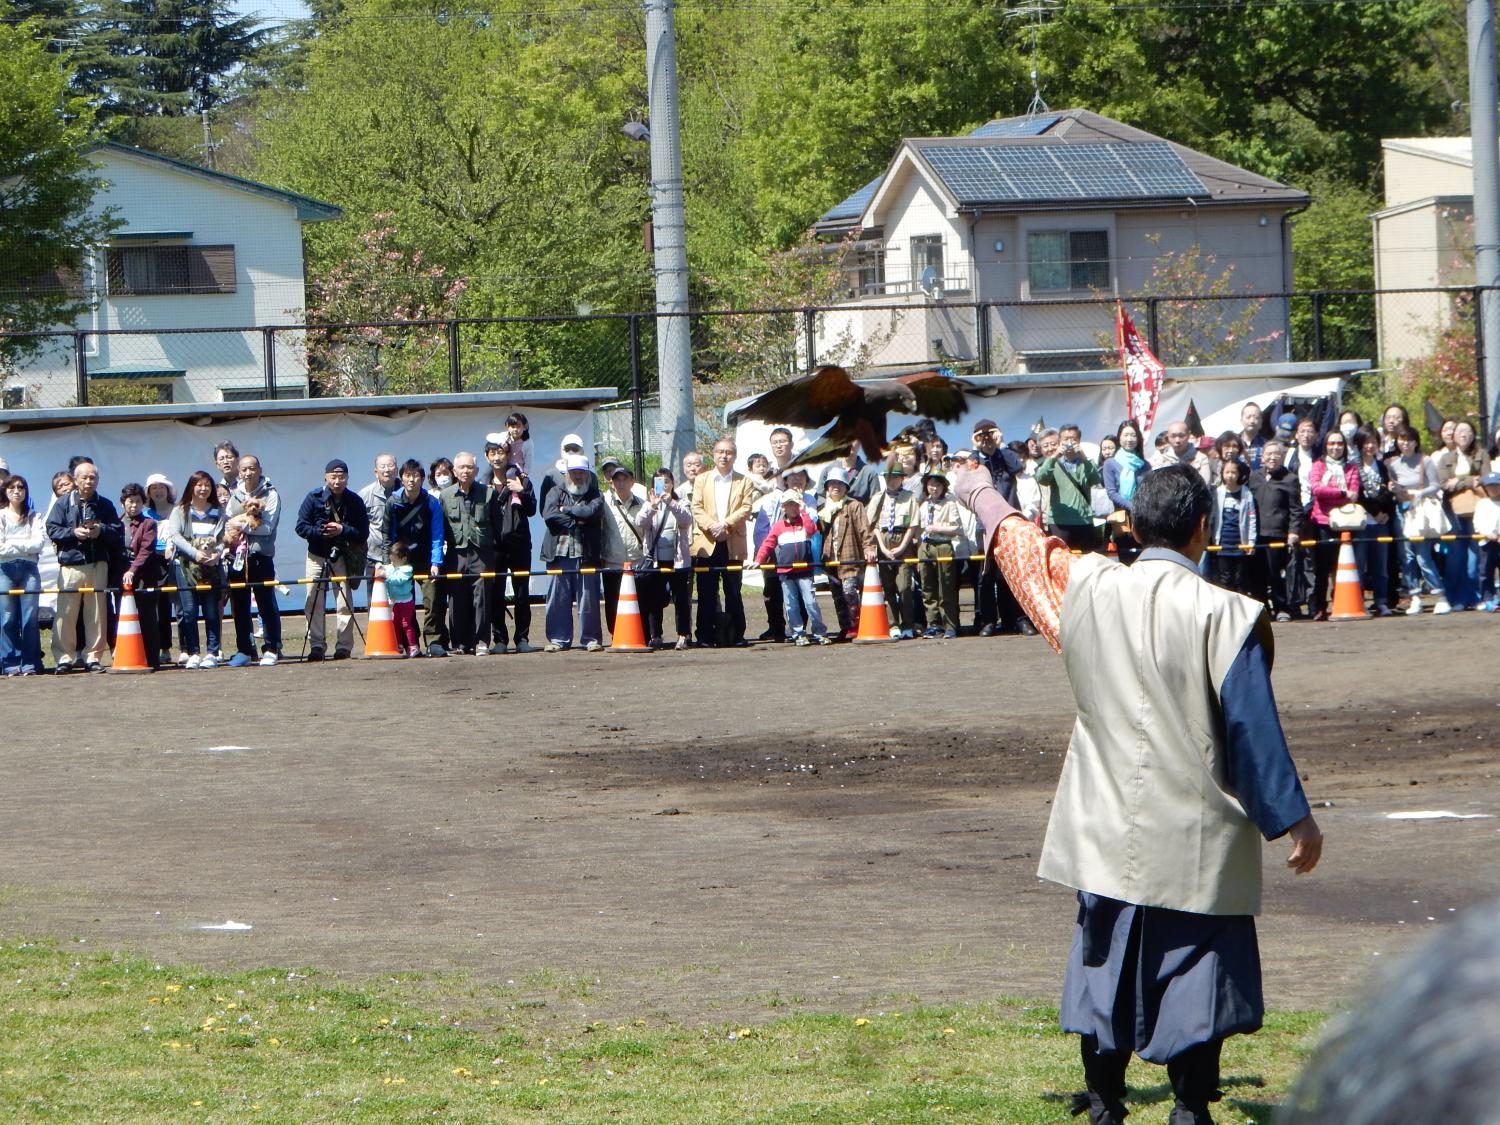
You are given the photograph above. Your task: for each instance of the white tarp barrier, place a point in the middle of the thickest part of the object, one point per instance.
(293, 449)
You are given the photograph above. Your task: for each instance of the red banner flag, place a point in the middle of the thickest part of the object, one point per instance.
(1143, 372)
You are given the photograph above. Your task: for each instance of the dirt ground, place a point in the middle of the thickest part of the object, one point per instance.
(704, 835)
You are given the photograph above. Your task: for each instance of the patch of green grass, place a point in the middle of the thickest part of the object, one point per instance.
(92, 1037)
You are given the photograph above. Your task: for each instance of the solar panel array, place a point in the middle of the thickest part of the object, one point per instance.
(1016, 127)
(1046, 173)
(854, 206)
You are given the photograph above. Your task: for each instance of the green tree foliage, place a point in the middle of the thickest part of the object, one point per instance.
(1333, 250)
(47, 188)
(172, 56)
(491, 132)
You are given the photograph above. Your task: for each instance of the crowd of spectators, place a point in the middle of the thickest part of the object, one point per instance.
(455, 538)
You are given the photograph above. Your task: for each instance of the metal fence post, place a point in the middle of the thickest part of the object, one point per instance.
(983, 337)
(1317, 310)
(455, 372)
(1153, 328)
(268, 352)
(810, 331)
(637, 408)
(81, 366)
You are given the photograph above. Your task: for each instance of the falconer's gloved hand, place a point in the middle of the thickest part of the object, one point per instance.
(975, 490)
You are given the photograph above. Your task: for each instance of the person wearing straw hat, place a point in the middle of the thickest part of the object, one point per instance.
(1177, 764)
(848, 547)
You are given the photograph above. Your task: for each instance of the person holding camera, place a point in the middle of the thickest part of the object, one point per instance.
(336, 526)
(88, 534)
(1071, 478)
(515, 504)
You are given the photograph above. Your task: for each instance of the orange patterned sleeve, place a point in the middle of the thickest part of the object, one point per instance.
(1036, 566)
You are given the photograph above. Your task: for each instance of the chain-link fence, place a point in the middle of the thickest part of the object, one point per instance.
(735, 352)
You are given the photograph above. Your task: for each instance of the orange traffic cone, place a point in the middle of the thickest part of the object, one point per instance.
(130, 646)
(1348, 596)
(629, 634)
(380, 632)
(874, 623)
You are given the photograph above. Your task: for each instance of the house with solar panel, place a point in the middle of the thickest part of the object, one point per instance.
(1034, 217)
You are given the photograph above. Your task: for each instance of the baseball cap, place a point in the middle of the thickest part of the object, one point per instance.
(984, 424)
(496, 440)
(571, 439)
(792, 496)
(620, 471)
(576, 461)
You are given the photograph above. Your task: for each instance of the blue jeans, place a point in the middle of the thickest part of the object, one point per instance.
(565, 589)
(20, 630)
(1371, 556)
(1461, 570)
(1420, 567)
(191, 601)
(801, 603)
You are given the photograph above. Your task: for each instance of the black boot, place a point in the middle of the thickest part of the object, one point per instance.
(1105, 1075)
(1195, 1082)
(1188, 1115)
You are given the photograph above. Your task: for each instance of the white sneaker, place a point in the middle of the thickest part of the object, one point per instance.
(193, 661)
(1415, 607)
(209, 660)
(269, 660)
(1442, 607)
(895, 633)
(183, 658)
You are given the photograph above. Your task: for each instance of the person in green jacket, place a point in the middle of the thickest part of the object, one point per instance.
(1071, 475)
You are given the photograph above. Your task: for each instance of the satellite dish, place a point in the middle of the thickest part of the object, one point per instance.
(931, 283)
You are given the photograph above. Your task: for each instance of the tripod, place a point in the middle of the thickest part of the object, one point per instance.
(321, 584)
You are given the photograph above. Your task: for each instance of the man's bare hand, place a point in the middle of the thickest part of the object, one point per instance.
(1307, 849)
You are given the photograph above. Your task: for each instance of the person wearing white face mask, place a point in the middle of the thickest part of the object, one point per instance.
(1349, 424)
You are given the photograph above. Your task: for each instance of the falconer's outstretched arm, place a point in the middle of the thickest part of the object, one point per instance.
(1035, 565)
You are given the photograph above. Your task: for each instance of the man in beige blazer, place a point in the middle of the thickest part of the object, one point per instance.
(721, 513)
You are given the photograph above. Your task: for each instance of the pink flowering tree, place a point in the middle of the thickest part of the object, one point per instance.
(1213, 322)
(380, 304)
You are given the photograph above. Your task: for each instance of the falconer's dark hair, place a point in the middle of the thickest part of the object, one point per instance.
(1168, 505)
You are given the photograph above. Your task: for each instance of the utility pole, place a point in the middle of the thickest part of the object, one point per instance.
(1484, 94)
(674, 353)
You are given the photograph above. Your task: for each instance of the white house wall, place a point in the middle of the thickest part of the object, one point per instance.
(267, 241)
(1412, 246)
(914, 209)
(1409, 177)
